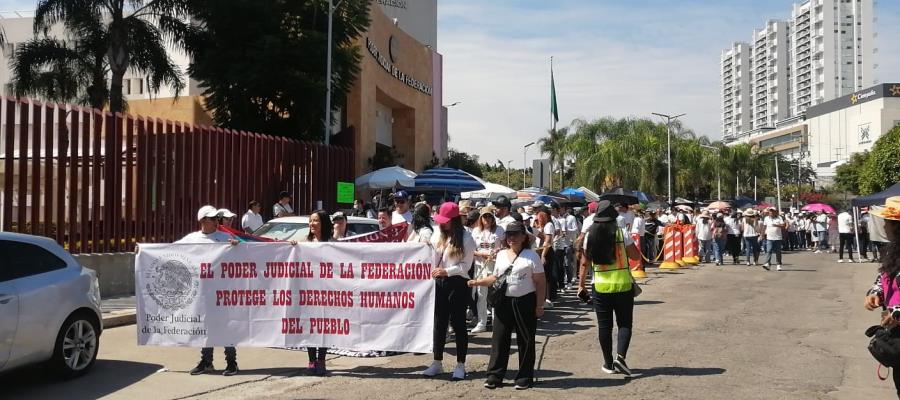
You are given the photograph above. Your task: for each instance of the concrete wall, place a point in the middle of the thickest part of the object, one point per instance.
(115, 271)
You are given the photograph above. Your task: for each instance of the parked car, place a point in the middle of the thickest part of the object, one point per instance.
(49, 307)
(297, 228)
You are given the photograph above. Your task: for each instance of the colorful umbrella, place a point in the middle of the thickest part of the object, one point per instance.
(719, 205)
(816, 207)
(447, 180)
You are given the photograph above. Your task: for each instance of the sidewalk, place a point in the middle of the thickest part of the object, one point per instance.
(118, 311)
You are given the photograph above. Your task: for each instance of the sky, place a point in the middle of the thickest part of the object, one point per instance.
(624, 58)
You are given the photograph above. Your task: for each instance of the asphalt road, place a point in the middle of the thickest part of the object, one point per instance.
(731, 332)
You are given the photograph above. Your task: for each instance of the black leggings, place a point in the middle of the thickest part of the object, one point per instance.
(451, 298)
(622, 304)
(846, 240)
(514, 314)
(733, 244)
(316, 353)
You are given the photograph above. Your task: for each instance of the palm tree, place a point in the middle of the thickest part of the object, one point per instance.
(132, 35)
(555, 145)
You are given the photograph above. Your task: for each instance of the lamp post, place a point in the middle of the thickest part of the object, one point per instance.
(777, 184)
(718, 171)
(525, 162)
(331, 7)
(508, 163)
(669, 119)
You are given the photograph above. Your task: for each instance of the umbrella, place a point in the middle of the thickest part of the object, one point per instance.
(446, 180)
(387, 178)
(491, 191)
(681, 200)
(589, 195)
(619, 195)
(657, 205)
(573, 193)
(816, 207)
(719, 205)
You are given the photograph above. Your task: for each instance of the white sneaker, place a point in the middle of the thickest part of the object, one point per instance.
(459, 373)
(850, 261)
(548, 304)
(436, 368)
(840, 261)
(479, 328)
(817, 252)
(778, 267)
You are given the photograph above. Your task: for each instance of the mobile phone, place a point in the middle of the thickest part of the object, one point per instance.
(584, 296)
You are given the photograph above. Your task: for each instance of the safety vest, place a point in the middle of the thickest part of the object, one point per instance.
(615, 277)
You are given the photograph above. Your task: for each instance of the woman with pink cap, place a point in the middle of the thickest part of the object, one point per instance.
(455, 253)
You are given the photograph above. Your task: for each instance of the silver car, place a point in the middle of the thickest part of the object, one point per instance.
(49, 307)
(297, 228)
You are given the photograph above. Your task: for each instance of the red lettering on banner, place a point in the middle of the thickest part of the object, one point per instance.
(347, 271)
(206, 271)
(240, 297)
(291, 326)
(393, 271)
(390, 300)
(281, 297)
(238, 270)
(278, 269)
(329, 326)
(326, 270)
(325, 298)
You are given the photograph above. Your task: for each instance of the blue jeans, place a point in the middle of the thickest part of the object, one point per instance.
(801, 240)
(751, 247)
(719, 249)
(773, 246)
(706, 250)
(823, 240)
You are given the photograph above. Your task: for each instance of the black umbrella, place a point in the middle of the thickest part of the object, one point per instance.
(619, 195)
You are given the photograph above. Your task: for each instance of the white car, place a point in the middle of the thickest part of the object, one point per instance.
(297, 228)
(49, 307)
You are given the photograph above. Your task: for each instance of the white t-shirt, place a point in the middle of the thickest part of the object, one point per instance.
(520, 280)
(397, 218)
(845, 222)
(560, 239)
(503, 222)
(773, 227)
(548, 229)
(625, 236)
(628, 217)
(638, 227)
(200, 237)
(704, 229)
(280, 210)
(821, 223)
(734, 225)
(588, 221)
(422, 236)
(750, 229)
(486, 240)
(251, 220)
(455, 266)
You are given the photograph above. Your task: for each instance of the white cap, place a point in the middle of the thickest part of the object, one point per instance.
(207, 211)
(224, 212)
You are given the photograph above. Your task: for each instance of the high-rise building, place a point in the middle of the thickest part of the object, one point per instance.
(736, 88)
(826, 50)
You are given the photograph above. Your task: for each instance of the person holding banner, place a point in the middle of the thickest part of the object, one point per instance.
(320, 230)
(522, 305)
(607, 248)
(455, 253)
(401, 208)
(339, 225)
(208, 218)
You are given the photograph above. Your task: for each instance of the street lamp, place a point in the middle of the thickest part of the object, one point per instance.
(508, 163)
(331, 7)
(669, 119)
(453, 105)
(718, 171)
(525, 162)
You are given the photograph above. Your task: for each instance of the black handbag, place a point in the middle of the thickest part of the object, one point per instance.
(885, 345)
(497, 291)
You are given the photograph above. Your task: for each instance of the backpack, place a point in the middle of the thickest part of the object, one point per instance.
(884, 345)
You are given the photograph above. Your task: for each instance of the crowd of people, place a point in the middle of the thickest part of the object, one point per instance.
(536, 253)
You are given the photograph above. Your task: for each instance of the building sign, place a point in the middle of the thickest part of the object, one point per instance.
(865, 133)
(393, 3)
(856, 97)
(345, 192)
(397, 73)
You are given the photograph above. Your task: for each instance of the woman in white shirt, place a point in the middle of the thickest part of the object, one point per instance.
(488, 241)
(420, 230)
(774, 224)
(519, 310)
(750, 230)
(455, 253)
(544, 232)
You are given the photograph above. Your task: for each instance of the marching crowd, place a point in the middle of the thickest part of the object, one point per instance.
(501, 266)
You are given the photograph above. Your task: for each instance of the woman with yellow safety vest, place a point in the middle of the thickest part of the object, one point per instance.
(606, 251)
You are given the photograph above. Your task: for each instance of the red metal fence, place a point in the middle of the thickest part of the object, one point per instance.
(100, 182)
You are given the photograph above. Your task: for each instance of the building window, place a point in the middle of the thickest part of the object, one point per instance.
(126, 86)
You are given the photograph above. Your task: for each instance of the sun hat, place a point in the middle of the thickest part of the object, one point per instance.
(750, 213)
(225, 213)
(605, 212)
(465, 206)
(207, 211)
(704, 214)
(486, 210)
(891, 209)
(447, 212)
(514, 227)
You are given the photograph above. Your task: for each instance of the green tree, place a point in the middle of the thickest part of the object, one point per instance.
(132, 35)
(463, 161)
(556, 146)
(847, 176)
(881, 169)
(261, 65)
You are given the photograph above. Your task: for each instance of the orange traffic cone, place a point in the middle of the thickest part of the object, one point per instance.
(637, 266)
(679, 244)
(669, 248)
(690, 248)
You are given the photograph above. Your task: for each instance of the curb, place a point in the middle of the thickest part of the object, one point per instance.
(119, 318)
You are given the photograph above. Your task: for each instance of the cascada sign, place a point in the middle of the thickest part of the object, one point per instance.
(391, 69)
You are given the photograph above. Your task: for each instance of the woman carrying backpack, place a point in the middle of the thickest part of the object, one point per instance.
(885, 293)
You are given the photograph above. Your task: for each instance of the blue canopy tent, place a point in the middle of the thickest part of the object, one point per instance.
(448, 180)
(876, 199)
(572, 192)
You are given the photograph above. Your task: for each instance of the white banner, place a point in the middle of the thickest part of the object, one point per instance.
(357, 296)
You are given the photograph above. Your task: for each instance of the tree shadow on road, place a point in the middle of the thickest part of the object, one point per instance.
(106, 377)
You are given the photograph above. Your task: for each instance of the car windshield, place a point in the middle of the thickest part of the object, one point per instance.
(282, 230)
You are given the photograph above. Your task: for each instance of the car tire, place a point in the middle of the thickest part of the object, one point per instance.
(76, 347)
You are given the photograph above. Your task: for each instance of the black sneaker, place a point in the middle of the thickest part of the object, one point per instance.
(525, 384)
(621, 367)
(203, 367)
(492, 383)
(231, 369)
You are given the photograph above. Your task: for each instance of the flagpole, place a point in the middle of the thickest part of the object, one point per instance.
(552, 122)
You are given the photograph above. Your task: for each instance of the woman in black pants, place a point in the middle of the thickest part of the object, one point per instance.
(456, 250)
(606, 252)
(522, 305)
(320, 230)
